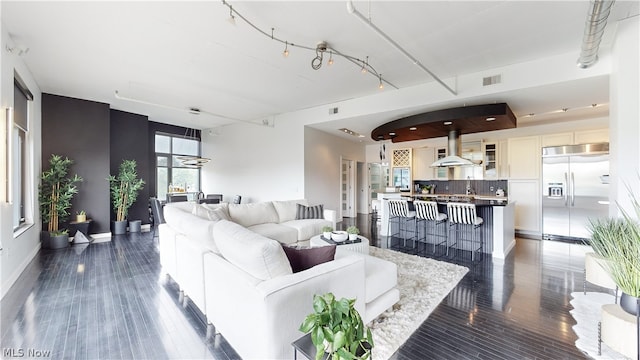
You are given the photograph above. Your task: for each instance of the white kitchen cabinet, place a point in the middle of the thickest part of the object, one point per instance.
(557, 139)
(591, 136)
(526, 194)
(490, 159)
(422, 160)
(524, 158)
(441, 173)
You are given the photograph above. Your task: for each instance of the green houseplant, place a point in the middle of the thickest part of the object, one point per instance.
(326, 231)
(618, 241)
(337, 328)
(124, 192)
(56, 190)
(353, 232)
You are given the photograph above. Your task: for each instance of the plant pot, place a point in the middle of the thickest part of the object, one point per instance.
(327, 234)
(353, 237)
(119, 227)
(135, 226)
(81, 218)
(58, 241)
(629, 303)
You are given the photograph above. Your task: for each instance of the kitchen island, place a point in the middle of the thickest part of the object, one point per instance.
(498, 214)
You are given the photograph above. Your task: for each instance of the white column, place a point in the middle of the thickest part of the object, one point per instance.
(624, 115)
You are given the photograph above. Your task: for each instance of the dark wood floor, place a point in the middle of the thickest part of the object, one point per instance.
(110, 301)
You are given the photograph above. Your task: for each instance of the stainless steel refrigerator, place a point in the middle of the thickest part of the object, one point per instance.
(575, 189)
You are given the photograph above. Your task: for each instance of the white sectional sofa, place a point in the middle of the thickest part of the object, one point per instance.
(243, 283)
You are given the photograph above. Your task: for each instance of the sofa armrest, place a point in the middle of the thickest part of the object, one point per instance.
(332, 216)
(275, 308)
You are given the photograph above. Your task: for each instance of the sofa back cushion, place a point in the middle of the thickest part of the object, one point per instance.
(253, 213)
(211, 213)
(183, 221)
(261, 257)
(287, 209)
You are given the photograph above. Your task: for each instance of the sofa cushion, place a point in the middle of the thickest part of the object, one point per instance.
(381, 276)
(253, 213)
(182, 221)
(253, 253)
(212, 214)
(307, 228)
(303, 259)
(309, 212)
(287, 209)
(284, 234)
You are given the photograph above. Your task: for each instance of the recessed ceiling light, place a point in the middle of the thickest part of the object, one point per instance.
(392, 134)
(351, 132)
(448, 122)
(413, 128)
(490, 118)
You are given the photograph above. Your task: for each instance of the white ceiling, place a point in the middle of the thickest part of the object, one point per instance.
(187, 54)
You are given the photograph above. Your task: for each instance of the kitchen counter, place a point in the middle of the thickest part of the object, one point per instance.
(498, 214)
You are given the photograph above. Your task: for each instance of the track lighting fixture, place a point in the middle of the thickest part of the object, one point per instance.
(232, 19)
(380, 85)
(320, 49)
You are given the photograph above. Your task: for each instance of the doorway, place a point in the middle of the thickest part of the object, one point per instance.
(347, 188)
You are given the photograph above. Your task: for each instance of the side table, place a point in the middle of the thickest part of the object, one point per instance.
(361, 245)
(305, 347)
(618, 329)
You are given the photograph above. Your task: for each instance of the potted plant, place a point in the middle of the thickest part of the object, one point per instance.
(426, 189)
(353, 232)
(618, 241)
(56, 191)
(326, 232)
(124, 192)
(81, 216)
(337, 329)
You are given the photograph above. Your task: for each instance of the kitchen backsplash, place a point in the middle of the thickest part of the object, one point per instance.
(479, 187)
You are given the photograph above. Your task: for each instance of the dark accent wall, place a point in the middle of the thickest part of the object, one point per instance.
(79, 130)
(129, 140)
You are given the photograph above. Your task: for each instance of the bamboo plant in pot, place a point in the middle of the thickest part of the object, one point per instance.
(618, 241)
(337, 329)
(124, 192)
(56, 190)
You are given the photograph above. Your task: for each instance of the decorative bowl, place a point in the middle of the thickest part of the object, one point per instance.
(339, 236)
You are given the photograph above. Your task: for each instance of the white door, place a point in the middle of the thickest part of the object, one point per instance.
(363, 201)
(347, 188)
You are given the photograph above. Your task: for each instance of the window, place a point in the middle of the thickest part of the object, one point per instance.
(171, 174)
(21, 100)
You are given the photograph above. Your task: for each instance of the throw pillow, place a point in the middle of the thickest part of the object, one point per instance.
(303, 259)
(309, 212)
(261, 257)
(206, 213)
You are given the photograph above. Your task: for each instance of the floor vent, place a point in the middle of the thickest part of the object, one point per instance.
(333, 110)
(491, 80)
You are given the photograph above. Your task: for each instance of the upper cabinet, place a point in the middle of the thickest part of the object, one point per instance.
(575, 138)
(591, 136)
(524, 157)
(490, 160)
(422, 160)
(441, 173)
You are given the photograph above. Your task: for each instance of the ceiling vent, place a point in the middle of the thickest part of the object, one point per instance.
(491, 80)
(333, 110)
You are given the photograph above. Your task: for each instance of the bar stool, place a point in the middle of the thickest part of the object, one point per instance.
(400, 213)
(464, 214)
(427, 212)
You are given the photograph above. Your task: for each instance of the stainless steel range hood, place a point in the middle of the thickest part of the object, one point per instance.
(455, 150)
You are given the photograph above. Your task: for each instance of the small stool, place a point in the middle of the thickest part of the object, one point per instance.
(399, 211)
(464, 214)
(595, 273)
(427, 212)
(618, 329)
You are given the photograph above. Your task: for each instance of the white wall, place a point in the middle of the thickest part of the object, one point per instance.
(625, 115)
(18, 250)
(260, 163)
(322, 156)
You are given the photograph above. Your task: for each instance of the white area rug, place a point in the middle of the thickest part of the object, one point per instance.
(423, 284)
(587, 313)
